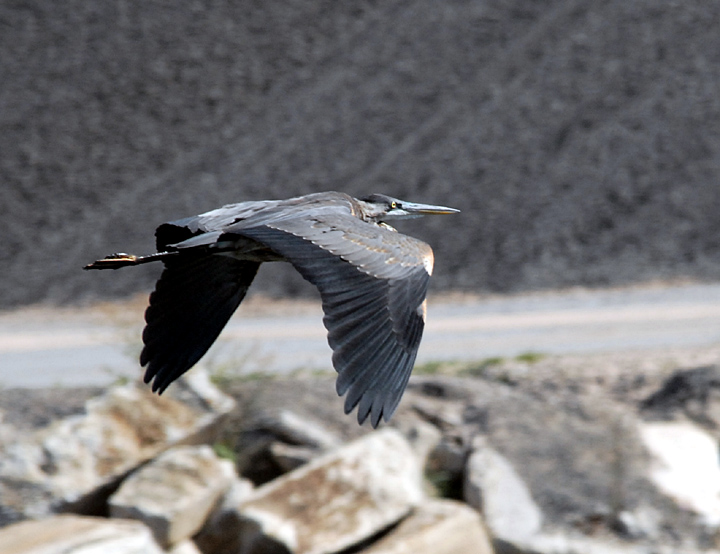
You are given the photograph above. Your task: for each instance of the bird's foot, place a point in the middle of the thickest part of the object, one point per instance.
(113, 261)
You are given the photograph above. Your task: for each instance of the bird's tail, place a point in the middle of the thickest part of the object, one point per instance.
(115, 261)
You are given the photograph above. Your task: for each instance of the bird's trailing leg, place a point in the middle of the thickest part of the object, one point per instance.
(115, 261)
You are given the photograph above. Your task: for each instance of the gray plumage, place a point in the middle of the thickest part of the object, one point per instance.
(372, 282)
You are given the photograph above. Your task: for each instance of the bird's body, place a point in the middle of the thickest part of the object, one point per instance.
(372, 282)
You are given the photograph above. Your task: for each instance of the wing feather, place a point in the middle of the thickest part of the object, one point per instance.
(365, 374)
(363, 352)
(372, 282)
(371, 402)
(193, 300)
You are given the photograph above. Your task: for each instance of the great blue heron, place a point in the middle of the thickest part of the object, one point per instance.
(372, 281)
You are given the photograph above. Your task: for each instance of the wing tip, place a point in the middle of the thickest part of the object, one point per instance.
(377, 405)
(152, 378)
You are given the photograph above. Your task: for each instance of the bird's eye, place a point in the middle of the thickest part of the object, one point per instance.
(393, 205)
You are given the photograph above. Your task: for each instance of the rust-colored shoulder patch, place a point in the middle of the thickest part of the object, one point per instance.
(428, 259)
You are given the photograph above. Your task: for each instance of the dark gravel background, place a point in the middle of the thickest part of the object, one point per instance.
(581, 138)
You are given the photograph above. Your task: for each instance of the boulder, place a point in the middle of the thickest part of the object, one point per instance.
(272, 441)
(694, 393)
(436, 527)
(292, 440)
(74, 463)
(288, 457)
(436, 401)
(424, 437)
(572, 543)
(221, 531)
(286, 440)
(684, 466)
(493, 487)
(174, 493)
(71, 534)
(289, 427)
(185, 547)
(336, 500)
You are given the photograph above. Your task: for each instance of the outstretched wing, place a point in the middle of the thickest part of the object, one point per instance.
(193, 300)
(373, 283)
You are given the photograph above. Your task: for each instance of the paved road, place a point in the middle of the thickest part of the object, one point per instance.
(41, 347)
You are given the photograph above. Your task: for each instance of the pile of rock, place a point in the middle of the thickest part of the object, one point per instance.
(468, 466)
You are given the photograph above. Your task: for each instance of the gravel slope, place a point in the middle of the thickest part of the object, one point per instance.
(581, 139)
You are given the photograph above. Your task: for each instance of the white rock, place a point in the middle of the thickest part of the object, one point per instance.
(221, 531)
(175, 492)
(642, 522)
(685, 466)
(493, 487)
(185, 547)
(292, 428)
(289, 457)
(449, 456)
(446, 414)
(196, 385)
(338, 499)
(423, 437)
(70, 534)
(67, 462)
(565, 543)
(436, 527)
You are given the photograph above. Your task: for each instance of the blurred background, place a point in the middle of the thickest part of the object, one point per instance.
(581, 139)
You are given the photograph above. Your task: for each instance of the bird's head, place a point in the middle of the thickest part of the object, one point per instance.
(380, 208)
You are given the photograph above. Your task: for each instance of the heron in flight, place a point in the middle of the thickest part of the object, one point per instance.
(372, 282)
